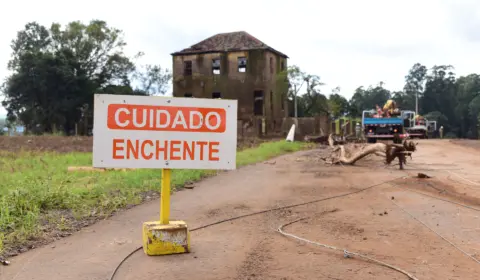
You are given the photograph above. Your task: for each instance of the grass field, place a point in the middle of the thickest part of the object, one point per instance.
(40, 200)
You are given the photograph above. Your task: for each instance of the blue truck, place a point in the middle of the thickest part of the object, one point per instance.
(392, 128)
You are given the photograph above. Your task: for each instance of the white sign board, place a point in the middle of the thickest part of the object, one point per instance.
(164, 132)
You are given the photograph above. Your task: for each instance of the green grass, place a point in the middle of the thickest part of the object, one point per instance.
(37, 192)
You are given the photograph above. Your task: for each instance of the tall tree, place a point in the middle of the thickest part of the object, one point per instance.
(153, 79)
(467, 90)
(313, 102)
(440, 95)
(337, 104)
(296, 79)
(56, 71)
(413, 89)
(367, 99)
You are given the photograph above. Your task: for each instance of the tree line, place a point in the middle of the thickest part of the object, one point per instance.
(55, 72)
(454, 102)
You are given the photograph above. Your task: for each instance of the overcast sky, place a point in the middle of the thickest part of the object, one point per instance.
(348, 43)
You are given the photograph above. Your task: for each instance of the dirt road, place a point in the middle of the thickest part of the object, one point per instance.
(389, 222)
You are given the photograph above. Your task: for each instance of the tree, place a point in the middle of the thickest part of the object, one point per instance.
(296, 79)
(337, 104)
(467, 89)
(440, 95)
(153, 79)
(313, 102)
(413, 88)
(3, 124)
(367, 99)
(57, 71)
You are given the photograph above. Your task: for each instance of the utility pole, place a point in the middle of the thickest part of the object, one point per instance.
(295, 100)
(416, 102)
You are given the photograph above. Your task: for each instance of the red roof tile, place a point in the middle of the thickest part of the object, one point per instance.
(225, 42)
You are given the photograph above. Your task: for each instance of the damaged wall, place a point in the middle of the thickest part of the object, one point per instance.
(261, 75)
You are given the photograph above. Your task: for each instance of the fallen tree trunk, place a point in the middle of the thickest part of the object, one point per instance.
(341, 155)
(358, 155)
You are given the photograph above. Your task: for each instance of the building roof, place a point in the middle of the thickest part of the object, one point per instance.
(227, 42)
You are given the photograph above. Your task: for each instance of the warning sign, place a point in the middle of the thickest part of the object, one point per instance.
(163, 132)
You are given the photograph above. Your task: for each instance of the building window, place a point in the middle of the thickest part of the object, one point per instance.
(271, 65)
(216, 95)
(258, 103)
(187, 68)
(216, 66)
(242, 64)
(187, 95)
(282, 65)
(271, 102)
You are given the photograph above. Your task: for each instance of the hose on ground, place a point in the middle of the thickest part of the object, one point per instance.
(259, 213)
(346, 253)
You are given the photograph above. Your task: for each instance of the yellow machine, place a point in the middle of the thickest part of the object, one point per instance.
(390, 108)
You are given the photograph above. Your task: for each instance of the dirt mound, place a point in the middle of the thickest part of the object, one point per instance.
(58, 144)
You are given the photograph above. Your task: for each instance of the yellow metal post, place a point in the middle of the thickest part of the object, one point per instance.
(165, 237)
(165, 197)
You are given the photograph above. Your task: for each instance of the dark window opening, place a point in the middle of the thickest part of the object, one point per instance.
(271, 102)
(283, 101)
(242, 64)
(188, 95)
(258, 103)
(187, 68)
(216, 95)
(271, 65)
(216, 66)
(282, 65)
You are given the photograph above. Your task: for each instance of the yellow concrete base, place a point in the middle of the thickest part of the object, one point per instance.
(159, 239)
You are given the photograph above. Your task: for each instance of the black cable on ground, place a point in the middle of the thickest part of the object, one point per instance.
(258, 213)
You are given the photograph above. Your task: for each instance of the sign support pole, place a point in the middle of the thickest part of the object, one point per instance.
(165, 197)
(212, 128)
(165, 237)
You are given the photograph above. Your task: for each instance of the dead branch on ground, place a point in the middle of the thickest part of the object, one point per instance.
(342, 153)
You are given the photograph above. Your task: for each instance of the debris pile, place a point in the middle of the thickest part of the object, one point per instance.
(349, 153)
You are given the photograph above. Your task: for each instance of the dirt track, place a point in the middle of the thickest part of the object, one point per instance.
(61, 144)
(368, 222)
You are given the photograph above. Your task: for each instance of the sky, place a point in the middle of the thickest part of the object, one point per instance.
(348, 43)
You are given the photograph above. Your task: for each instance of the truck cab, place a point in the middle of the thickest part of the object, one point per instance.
(393, 128)
(419, 126)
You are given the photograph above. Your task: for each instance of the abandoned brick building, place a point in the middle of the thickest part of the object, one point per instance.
(234, 66)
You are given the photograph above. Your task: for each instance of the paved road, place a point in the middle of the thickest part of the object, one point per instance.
(369, 222)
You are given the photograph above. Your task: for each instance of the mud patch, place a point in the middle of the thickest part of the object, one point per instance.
(435, 187)
(213, 213)
(474, 144)
(235, 208)
(323, 174)
(55, 225)
(57, 144)
(241, 207)
(255, 264)
(337, 228)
